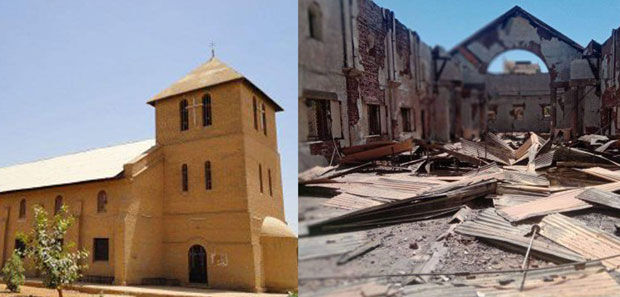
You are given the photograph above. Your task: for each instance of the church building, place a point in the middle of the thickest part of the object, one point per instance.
(200, 205)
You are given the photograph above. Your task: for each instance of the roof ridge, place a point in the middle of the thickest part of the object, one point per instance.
(75, 153)
(509, 13)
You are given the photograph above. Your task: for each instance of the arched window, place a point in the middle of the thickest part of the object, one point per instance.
(206, 110)
(184, 115)
(57, 204)
(255, 105)
(264, 118)
(208, 182)
(184, 183)
(102, 201)
(315, 21)
(22, 209)
(269, 179)
(260, 176)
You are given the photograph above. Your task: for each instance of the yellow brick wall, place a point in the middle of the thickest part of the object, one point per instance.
(217, 219)
(82, 201)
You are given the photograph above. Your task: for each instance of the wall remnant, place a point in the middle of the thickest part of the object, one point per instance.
(367, 57)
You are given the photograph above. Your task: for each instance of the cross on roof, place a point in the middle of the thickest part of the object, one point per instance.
(212, 45)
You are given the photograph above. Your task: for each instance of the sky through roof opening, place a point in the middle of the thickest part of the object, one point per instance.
(517, 61)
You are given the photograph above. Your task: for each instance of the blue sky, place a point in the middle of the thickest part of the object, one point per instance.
(76, 75)
(446, 23)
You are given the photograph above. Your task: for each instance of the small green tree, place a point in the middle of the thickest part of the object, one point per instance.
(13, 272)
(44, 245)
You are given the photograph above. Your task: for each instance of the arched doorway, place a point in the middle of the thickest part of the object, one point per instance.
(197, 264)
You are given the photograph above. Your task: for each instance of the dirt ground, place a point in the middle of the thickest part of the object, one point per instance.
(27, 291)
(405, 247)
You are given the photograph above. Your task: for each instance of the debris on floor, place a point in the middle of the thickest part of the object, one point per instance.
(428, 219)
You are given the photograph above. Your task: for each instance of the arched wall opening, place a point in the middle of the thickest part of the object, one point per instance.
(518, 94)
(516, 60)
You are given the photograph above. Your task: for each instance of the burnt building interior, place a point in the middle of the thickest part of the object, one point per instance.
(365, 77)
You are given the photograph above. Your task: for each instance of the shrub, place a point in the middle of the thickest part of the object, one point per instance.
(44, 245)
(13, 272)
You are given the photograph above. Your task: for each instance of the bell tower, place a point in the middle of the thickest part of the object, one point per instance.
(217, 132)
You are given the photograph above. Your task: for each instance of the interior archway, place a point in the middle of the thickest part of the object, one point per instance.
(519, 58)
(518, 95)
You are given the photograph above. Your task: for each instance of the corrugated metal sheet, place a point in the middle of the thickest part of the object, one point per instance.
(544, 160)
(80, 167)
(431, 204)
(501, 201)
(489, 225)
(351, 202)
(601, 197)
(565, 281)
(438, 290)
(589, 242)
(602, 173)
(556, 202)
(365, 289)
(525, 179)
(329, 245)
(478, 150)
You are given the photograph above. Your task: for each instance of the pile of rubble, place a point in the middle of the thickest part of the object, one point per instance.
(514, 214)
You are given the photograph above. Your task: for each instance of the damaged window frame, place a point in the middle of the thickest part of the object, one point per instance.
(405, 114)
(315, 22)
(513, 113)
(546, 111)
(320, 123)
(374, 119)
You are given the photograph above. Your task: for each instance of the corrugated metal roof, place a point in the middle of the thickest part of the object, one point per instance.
(439, 290)
(602, 173)
(210, 73)
(575, 235)
(590, 280)
(489, 225)
(558, 202)
(601, 197)
(74, 168)
(329, 245)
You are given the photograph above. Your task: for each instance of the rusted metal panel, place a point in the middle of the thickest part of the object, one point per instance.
(525, 179)
(501, 201)
(351, 202)
(478, 150)
(379, 152)
(329, 245)
(602, 173)
(365, 147)
(575, 235)
(438, 290)
(601, 197)
(419, 207)
(558, 202)
(588, 280)
(489, 225)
